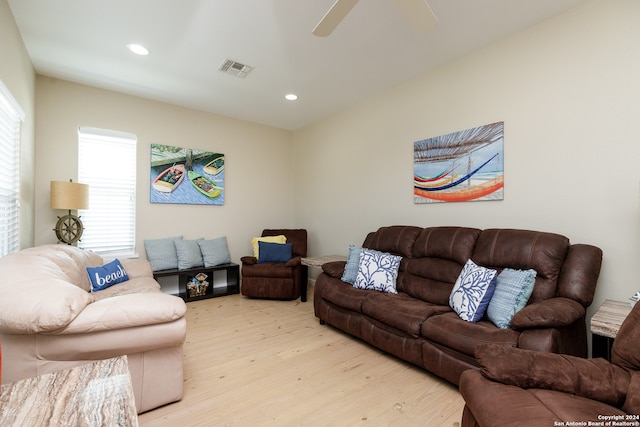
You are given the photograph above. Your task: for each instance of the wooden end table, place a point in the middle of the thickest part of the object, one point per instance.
(605, 325)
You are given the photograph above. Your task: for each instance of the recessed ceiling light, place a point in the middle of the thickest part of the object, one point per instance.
(291, 97)
(138, 49)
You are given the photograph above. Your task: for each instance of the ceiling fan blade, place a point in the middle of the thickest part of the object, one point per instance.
(333, 17)
(419, 14)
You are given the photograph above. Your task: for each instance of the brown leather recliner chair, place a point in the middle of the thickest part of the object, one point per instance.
(518, 387)
(286, 280)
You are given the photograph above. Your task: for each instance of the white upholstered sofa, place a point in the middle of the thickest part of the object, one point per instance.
(50, 320)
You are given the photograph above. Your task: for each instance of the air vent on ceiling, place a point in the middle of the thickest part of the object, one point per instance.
(235, 68)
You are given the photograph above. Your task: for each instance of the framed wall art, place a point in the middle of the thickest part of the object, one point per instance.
(186, 176)
(461, 166)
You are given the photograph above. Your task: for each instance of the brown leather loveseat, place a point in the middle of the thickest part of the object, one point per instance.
(418, 325)
(539, 389)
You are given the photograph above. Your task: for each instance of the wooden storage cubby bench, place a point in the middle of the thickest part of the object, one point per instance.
(185, 276)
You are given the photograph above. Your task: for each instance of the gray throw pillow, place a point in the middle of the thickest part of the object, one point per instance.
(189, 255)
(161, 253)
(215, 251)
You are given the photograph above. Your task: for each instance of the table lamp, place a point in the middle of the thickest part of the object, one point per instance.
(71, 196)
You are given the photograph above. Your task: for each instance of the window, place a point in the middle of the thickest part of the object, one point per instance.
(107, 163)
(11, 118)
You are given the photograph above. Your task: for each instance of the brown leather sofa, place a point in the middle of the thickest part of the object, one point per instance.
(523, 388)
(418, 325)
(275, 280)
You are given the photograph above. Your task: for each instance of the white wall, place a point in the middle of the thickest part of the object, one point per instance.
(568, 92)
(258, 159)
(17, 74)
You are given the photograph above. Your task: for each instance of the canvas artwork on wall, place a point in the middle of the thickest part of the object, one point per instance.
(461, 166)
(186, 176)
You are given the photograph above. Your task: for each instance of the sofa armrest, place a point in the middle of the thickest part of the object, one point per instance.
(127, 311)
(552, 313)
(334, 268)
(591, 378)
(137, 267)
(294, 262)
(249, 260)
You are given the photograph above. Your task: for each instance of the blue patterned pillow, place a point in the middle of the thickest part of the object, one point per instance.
(353, 261)
(377, 271)
(513, 289)
(472, 291)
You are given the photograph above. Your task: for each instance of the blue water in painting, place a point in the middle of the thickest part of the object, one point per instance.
(186, 193)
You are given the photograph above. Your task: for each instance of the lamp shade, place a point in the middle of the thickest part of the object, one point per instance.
(69, 195)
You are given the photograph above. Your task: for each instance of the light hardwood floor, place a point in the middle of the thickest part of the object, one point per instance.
(270, 363)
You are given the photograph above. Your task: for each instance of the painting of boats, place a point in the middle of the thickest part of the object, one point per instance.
(215, 166)
(203, 185)
(171, 165)
(169, 179)
(461, 166)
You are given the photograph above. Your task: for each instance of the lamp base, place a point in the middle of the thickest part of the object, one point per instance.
(69, 229)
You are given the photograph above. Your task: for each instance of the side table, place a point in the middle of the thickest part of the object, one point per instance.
(605, 324)
(317, 261)
(95, 394)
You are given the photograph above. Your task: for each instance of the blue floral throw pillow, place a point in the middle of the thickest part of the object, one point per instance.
(377, 271)
(473, 291)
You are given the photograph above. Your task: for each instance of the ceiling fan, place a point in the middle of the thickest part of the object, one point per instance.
(417, 12)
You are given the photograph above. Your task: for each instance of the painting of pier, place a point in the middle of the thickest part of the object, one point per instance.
(461, 166)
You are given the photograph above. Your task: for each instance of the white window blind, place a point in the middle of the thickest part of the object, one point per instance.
(11, 118)
(107, 163)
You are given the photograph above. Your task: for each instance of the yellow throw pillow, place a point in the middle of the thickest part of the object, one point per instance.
(270, 239)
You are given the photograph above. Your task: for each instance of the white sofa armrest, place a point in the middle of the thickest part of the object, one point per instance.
(126, 311)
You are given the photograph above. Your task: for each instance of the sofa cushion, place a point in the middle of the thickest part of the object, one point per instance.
(430, 279)
(135, 285)
(450, 331)
(70, 260)
(344, 295)
(161, 253)
(524, 249)
(450, 243)
(513, 289)
(401, 311)
(215, 251)
(351, 268)
(106, 275)
(377, 271)
(396, 239)
(268, 270)
(46, 302)
(472, 291)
